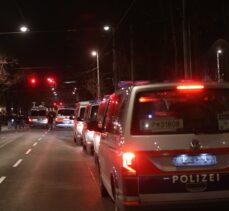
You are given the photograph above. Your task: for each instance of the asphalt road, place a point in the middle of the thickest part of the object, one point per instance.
(41, 170)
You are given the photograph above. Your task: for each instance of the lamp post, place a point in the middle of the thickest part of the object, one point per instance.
(95, 53)
(24, 28)
(115, 78)
(219, 51)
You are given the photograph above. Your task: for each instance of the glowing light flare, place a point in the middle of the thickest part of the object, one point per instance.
(51, 80)
(58, 119)
(106, 28)
(33, 81)
(94, 53)
(191, 87)
(147, 99)
(127, 162)
(24, 29)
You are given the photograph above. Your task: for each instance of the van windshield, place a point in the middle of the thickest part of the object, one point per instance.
(205, 111)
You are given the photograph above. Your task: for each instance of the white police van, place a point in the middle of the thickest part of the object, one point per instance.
(166, 144)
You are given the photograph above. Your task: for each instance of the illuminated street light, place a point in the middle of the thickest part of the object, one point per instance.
(24, 29)
(106, 28)
(219, 51)
(95, 53)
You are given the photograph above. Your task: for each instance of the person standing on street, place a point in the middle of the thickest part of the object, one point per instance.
(51, 116)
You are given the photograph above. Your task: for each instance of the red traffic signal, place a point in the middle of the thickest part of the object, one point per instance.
(33, 81)
(51, 81)
(58, 104)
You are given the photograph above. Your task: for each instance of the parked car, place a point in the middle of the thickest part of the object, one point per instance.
(166, 144)
(78, 121)
(89, 127)
(65, 117)
(38, 116)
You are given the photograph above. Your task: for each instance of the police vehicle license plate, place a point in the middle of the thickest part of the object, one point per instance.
(194, 160)
(166, 124)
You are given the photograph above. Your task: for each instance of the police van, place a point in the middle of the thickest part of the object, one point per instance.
(78, 121)
(166, 144)
(38, 116)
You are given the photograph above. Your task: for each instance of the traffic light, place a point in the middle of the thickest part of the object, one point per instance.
(33, 81)
(51, 81)
(58, 104)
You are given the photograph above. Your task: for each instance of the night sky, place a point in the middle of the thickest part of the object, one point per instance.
(148, 36)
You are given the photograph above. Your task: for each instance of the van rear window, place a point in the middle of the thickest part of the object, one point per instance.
(38, 113)
(172, 111)
(66, 112)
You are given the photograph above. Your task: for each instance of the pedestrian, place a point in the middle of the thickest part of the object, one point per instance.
(10, 120)
(51, 116)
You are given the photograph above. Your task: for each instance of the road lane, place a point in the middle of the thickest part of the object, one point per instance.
(14, 145)
(55, 175)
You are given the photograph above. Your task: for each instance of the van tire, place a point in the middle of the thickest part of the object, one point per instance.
(84, 147)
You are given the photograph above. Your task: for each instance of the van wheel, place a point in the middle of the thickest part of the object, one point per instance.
(90, 150)
(84, 147)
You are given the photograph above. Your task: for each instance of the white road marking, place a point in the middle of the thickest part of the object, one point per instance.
(35, 144)
(28, 151)
(39, 139)
(2, 179)
(17, 163)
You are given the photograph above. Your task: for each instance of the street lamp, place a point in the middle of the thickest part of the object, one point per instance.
(24, 28)
(95, 53)
(108, 28)
(219, 51)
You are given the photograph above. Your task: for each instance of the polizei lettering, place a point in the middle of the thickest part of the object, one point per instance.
(195, 178)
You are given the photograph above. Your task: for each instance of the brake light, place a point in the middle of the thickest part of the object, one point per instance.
(59, 119)
(147, 99)
(190, 87)
(128, 163)
(30, 120)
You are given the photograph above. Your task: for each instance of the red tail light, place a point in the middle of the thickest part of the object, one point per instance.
(128, 163)
(190, 87)
(30, 120)
(59, 119)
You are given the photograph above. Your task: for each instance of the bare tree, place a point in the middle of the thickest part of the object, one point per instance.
(7, 78)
